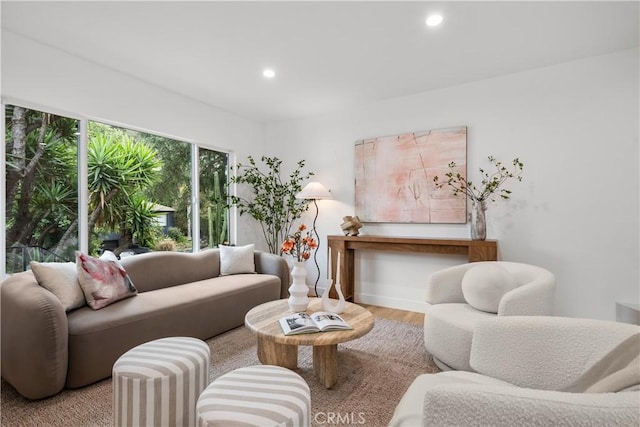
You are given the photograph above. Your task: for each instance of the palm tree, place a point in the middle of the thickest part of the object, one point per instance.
(119, 167)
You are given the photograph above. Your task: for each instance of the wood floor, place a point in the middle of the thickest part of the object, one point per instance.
(395, 314)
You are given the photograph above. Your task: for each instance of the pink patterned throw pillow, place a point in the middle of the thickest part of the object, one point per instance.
(104, 280)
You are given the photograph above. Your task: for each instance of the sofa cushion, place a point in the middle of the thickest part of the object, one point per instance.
(61, 279)
(448, 331)
(484, 285)
(237, 259)
(156, 270)
(201, 310)
(104, 280)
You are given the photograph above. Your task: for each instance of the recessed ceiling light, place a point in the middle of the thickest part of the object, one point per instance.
(268, 73)
(434, 20)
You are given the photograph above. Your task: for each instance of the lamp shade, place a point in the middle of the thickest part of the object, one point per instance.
(313, 191)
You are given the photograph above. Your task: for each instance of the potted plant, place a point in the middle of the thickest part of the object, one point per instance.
(490, 187)
(274, 204)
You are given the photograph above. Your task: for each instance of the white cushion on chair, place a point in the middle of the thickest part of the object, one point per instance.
(484, 285)
(448, 330)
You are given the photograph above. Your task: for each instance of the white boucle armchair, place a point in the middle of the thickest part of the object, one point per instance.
(460, 296)
(535, 371)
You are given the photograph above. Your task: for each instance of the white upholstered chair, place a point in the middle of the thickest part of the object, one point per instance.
(462, 295)
(535, 371)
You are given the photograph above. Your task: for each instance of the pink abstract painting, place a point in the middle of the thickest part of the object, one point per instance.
(394, 177)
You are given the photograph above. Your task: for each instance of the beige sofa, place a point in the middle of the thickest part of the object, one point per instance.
(45, 349)
(534, 371)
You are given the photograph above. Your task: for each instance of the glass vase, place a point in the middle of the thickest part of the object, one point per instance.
(478, 220)
(298, 291)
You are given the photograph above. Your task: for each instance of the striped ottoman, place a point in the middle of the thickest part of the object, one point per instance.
(158, 383)
(261, 395)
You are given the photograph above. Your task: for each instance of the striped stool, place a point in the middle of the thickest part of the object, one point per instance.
(261, 395)
(159, 382)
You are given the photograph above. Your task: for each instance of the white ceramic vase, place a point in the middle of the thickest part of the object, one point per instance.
(331, 305)
(298, 291)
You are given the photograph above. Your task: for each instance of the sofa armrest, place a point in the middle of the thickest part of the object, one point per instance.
(267, 263)
(485, 405)
(544, 352)
(445, 286)
(34, 337)
(531, 299)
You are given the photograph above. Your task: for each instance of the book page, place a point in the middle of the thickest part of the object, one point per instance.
(328, 321)
(298, 323)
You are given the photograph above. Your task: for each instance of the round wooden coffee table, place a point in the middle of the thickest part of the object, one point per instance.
(275, 348)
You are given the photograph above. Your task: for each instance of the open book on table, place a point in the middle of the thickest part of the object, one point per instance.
(321, 321)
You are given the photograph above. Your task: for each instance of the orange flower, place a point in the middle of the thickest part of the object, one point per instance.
(298, 246)
(287, 246)
(311, 243)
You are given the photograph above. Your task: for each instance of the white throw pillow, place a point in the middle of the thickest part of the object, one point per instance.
(61, 279)
(484, 285)
(236, 259)
(103, 281)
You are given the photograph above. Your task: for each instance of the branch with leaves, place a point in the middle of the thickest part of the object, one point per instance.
(274, 204)
(491, 184)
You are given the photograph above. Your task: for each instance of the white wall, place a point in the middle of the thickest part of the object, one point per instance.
(37, 76)
(575, 127)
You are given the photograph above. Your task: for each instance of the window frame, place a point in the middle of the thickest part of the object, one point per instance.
(83, 190)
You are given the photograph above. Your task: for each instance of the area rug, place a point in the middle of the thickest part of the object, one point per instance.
(374, 372)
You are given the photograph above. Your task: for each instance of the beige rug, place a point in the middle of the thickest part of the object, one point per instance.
(374, 373)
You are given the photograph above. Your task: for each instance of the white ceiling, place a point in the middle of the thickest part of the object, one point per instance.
(327, 55)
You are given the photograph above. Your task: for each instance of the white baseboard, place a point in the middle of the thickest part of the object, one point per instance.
(398, 303)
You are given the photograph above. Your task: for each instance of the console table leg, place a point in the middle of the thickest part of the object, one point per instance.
(271, 353)
(325, 364)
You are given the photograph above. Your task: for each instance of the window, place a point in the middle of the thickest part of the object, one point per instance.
(41, 187)
(138, 185)
(214, 213)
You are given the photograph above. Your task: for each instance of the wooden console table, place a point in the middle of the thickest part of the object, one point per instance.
(474, 250)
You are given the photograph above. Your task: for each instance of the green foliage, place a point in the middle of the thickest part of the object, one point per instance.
(176, 176)
(173, 187)
(141, 220)
(175, 234)
(127, 172)
(491, 183)
(40, 184)
(214, 204)
(118, 168)
(53, 206)
(274, 204)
